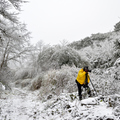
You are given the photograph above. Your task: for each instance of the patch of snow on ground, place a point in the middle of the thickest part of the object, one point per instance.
(24, 105)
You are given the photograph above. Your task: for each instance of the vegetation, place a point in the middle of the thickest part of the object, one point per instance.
(117, 49)
(52, 68)
(99, 36)
(117, 27)
(14, 38)
(81, 43)
(66, 56)
(88, 41)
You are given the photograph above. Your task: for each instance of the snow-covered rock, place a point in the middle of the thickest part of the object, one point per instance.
(89, 101)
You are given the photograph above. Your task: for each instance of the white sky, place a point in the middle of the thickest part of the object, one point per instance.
(56, 20)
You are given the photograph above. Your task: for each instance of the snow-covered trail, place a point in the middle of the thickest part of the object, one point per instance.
(19, 105)
(26, 105)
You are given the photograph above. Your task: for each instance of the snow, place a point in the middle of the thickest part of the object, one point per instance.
(90, 101)
(18, 105)
(26, 105)
(102, 110)
(117, 62)
(23, 104)
(2, 87)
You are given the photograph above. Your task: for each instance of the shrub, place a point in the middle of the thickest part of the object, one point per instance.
(117, 49)
(55, 57)
(36, 82)
(59, 80)
(25, 83)
(106, 82)
(117, 27)
(86, 42)
(25, 73)
(66, 56)
(81, 43)
(6, 76)
(98, 36)
(117, 44)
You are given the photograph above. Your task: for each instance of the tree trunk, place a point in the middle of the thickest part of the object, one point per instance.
(5, 56)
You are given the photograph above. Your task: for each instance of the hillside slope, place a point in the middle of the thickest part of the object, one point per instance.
(98, 49)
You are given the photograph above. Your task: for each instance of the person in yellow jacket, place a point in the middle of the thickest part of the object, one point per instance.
(83, 79)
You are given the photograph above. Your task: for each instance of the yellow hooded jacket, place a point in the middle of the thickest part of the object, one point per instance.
(81, 77)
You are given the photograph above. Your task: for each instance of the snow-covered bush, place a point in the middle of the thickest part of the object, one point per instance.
(117, 49)
(117, 62)
(66, 56)
(106, 81)
(25, 73)
(36, 82)
(24, 83)
(30, 83)
(116, 54)
(81, 43)
(117, 44)
(98, 36)
(6, 76)
(100, 55)
(102, 63)
(59, 80)
(117, 73)
(55, 57)
(88, 41)
(117, 111)
(117, 27)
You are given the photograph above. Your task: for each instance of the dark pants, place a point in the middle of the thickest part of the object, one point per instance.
(80, 90)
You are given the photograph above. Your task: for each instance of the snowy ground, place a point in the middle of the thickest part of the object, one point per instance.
(24, 105)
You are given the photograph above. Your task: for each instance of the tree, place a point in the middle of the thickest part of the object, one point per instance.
(9, 11)
(44, 56)
(14, 45)
(14, 38)
(64, 42)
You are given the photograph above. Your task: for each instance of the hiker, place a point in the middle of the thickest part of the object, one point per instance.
(83, 79)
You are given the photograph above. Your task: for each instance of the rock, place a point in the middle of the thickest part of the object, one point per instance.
(89, 101)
